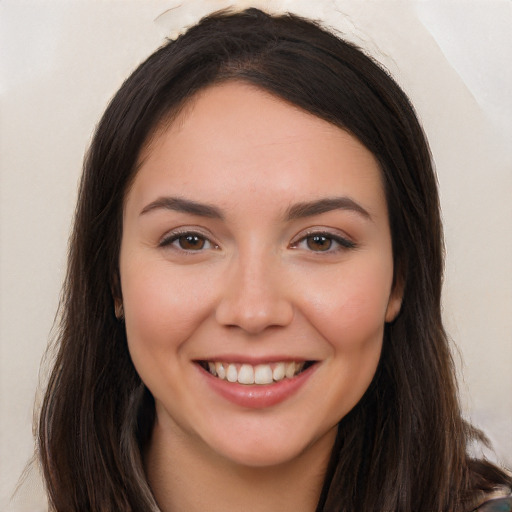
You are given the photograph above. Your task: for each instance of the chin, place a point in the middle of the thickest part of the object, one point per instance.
(269, 448)
(262, 456)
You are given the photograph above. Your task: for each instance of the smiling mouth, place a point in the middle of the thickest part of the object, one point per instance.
(260, 374)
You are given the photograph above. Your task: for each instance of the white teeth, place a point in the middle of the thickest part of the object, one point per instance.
(263, 374)
(279, 372)
(260, 374)
(246, 374)
(290, 370)
(231, 373)
(220, 371)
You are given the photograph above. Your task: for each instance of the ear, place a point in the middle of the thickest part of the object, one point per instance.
(395, 301)
(118, 309)
(115, 289)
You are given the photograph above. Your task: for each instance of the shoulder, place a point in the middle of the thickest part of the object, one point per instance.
(503, 504)
(493, 485)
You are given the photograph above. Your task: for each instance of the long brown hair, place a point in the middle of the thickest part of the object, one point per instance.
(404, 446)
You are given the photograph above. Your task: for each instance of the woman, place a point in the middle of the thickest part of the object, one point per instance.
(251, 317)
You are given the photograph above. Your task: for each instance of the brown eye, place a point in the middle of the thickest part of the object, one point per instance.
(187, 241)
(191, 242)
(319, 243)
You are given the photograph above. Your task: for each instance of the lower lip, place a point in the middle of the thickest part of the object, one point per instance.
(258, 396)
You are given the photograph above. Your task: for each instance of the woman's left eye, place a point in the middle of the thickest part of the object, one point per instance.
(323, 242)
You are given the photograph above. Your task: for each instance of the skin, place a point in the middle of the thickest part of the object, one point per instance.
(257, 285)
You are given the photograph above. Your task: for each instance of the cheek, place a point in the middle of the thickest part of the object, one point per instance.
(349, 307)
(162, 308)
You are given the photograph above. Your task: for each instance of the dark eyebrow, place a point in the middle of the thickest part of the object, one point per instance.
(308, 209)
(179, 204)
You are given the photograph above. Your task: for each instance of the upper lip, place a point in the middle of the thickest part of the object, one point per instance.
(245, 359)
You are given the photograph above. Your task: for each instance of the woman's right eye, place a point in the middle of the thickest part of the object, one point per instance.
(189, 241)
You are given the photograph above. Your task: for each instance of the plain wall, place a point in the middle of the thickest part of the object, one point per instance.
(62, 61)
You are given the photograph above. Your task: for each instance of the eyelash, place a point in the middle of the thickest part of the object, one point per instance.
(173, 239)
(342, 242)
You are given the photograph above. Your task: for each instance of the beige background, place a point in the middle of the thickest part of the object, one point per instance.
(61, 62)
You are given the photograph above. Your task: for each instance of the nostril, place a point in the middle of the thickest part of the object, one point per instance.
(254, 296)
(254, 318)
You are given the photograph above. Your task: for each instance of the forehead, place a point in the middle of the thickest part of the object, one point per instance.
(237, 138)
(236, 102)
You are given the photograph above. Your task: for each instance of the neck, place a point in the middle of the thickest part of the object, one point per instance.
(185, 475)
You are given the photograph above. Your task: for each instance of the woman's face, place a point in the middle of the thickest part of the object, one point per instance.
(256, 274)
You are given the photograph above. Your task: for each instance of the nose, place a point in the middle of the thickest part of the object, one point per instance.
(254, 295)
